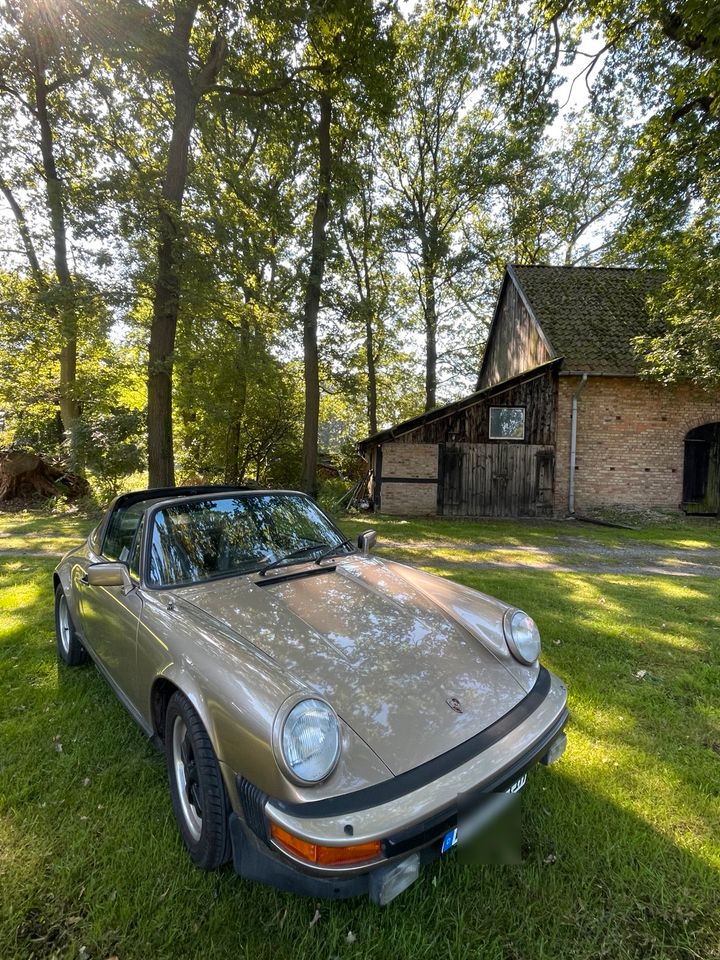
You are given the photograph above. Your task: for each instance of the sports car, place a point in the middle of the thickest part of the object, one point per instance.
(327, 717)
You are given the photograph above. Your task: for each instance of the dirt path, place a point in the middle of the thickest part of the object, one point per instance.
(573, 555)
(646, 571)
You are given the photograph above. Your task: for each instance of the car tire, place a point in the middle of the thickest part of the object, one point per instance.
(197, 790)
(69, 648)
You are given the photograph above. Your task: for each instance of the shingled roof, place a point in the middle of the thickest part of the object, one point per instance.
(590, 315)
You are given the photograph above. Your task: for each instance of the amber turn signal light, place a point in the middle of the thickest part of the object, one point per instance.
(324, 856)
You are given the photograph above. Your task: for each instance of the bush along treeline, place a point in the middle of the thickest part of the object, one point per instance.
(239, 236)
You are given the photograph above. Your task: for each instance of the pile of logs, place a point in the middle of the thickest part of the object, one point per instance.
(26, 476)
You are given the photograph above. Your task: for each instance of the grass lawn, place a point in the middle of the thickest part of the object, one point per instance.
(682, 533)
(621, 838)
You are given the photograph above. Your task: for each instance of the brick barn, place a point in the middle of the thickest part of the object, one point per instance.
(561, 420)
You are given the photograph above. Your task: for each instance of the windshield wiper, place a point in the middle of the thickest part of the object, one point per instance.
(300, 552)
(333, 548)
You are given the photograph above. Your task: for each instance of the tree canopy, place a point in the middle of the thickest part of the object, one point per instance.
(239, 236)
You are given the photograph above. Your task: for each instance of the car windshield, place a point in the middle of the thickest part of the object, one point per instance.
(221, 536)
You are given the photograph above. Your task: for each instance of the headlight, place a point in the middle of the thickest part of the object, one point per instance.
(523, 636)
(310, 740)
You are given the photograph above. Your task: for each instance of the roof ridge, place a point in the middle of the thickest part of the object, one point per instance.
(565, 266)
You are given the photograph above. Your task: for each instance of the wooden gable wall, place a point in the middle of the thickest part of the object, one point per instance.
(516, 343)
(470, 425)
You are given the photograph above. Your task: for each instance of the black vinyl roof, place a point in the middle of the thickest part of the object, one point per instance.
(164, 493)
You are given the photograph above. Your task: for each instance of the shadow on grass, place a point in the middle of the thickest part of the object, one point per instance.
(597, 882)
(644, 650)
(621, 857)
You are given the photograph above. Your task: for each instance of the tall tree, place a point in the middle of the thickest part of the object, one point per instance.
(41, 60)
(564, 203)
(365, 264)
(348, 51)
(189, 84)
(440, 56)
(311, 307)
(472, 100)
(664, 60)
(175, 50)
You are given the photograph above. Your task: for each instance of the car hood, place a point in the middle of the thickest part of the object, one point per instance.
(396, 663)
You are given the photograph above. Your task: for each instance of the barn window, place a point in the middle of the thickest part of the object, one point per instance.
(507, 423)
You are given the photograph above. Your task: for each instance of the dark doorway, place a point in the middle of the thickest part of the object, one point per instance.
(701, 474)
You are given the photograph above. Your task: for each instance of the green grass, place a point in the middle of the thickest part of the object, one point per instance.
(40, 533)
(683, 533)
(621, 838)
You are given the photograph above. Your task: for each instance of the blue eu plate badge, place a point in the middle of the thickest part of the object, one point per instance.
(449, 840)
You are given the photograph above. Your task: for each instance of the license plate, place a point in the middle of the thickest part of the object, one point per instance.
(451, 837)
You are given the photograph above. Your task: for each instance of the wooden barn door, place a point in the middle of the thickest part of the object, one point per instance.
(495, 480)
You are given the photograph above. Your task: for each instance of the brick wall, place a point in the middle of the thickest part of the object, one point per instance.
(409, 499)
(418, 461)
(630, 441)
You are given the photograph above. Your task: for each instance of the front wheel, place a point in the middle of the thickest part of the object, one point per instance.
(69, 648)
(197, 790)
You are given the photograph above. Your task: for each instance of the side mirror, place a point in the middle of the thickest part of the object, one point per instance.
(367, 540)
(109, 575)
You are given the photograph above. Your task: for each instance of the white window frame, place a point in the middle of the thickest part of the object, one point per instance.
(503, 406)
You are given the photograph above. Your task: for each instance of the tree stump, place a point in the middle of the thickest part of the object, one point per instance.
(26, 476)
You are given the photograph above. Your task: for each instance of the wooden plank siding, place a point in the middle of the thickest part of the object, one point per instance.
(476, 476)
(516, 342)
(496, 479)
(471, 425)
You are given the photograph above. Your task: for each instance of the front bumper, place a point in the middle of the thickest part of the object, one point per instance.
(411, 824)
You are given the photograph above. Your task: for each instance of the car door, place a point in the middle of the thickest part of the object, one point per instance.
(110, 618)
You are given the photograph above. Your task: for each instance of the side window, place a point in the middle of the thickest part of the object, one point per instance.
(121, 532)
(134, 558)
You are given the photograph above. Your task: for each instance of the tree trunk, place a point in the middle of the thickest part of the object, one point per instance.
(166, 299)
(312, 300)
(232, 447)
(364, 288)
(25, 235)
(371, 374)
(67, 316)
(232, 452)
(369, 326)
(430, 310)
(187, 93)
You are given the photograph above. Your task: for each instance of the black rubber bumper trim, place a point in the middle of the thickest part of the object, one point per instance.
(255, 860)
(398, 786)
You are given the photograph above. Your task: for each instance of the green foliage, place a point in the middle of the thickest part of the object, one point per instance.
(687, 308)
(664, 62)
(108, 383)
(451, 155)
(112, 446)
